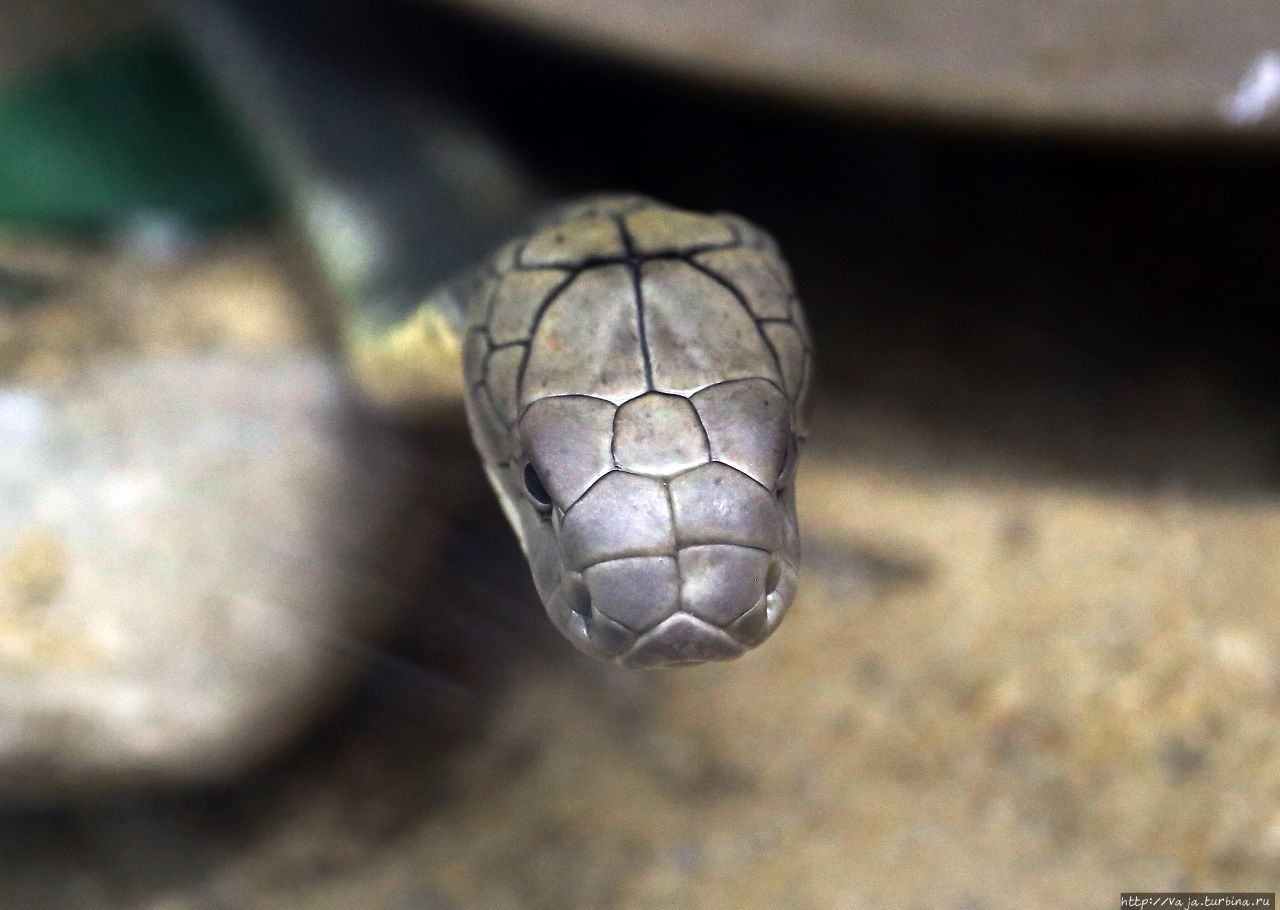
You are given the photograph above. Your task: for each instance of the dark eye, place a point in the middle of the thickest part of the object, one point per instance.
(535, 487)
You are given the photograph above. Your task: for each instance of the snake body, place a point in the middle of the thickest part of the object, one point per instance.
(635, 382)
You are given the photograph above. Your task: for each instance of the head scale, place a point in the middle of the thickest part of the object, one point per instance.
(637, 377)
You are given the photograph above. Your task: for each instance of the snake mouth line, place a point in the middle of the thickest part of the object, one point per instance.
(683, 636)
(682, 639)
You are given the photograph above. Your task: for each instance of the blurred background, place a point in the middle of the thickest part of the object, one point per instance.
(262, 648)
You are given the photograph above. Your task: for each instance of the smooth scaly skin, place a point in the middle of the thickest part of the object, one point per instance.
(636, 379)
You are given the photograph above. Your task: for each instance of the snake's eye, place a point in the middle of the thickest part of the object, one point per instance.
(535, 487)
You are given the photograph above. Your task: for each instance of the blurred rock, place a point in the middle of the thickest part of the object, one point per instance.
(184, 542)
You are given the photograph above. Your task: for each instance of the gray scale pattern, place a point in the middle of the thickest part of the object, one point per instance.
(637, 380)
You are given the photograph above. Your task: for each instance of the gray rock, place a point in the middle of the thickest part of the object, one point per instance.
(185, 553)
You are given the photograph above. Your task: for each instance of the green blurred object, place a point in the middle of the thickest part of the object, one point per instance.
(129, 133)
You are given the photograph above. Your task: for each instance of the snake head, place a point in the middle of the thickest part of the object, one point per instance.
(637, 376)
(662, 531)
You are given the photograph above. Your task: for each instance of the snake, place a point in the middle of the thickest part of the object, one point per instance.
(635, 379)
(634, 375)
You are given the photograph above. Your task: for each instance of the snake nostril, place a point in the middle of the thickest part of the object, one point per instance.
(583, 609)
(774, 577)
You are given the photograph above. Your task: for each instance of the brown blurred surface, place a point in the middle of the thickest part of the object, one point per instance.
(1135, 65)
(1139, 65)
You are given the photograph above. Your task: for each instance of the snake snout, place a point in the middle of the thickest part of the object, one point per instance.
(731, 599)
(667, 560)
(707, 602)
(703, 603)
